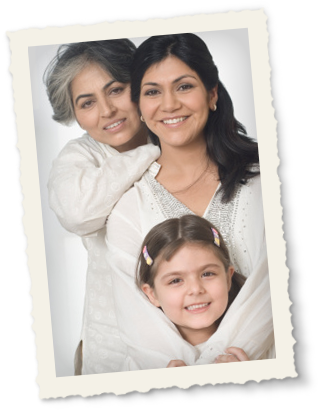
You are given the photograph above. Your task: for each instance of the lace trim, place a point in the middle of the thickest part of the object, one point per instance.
(222, 215)
(169, 205)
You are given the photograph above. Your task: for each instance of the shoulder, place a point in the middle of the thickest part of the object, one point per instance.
(126, 208)
(255, 182)
(82, 149)
(130, 207)
(252, 187)
(251, 202)
(84, 143)
(123, 228)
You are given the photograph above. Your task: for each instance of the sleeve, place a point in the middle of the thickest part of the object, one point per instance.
(85, 184)
(151, 338)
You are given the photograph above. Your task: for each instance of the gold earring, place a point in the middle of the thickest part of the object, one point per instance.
(142, 119)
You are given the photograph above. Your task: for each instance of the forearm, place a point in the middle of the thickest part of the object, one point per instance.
(84, 186)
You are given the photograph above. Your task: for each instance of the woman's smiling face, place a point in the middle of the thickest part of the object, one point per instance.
(192, 290)
(104, 109)
(175, 103)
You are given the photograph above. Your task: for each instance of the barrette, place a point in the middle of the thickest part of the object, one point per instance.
(216, 239)
(147, 257)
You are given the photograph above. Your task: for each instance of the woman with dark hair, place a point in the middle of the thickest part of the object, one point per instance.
(227, 145)
(90, 83)
(207, 167)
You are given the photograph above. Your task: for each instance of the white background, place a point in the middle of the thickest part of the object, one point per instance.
(307, 30)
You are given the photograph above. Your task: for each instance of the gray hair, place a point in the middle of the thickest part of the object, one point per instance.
(114, 56)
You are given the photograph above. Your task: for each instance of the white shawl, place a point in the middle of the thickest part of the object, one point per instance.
(151, 339)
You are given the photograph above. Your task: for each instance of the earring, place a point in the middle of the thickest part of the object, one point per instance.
(214, 107)
(142, 119)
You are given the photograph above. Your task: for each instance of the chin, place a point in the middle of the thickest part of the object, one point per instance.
(118, 142)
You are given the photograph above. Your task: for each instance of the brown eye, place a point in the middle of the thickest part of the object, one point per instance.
(151, 93)
(87, 104)
(185, 87)
(116, 91)
(208, 274)
(174, 281)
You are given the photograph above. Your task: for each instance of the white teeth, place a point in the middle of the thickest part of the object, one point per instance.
(174, 120)
(193, 307)
(113, 125)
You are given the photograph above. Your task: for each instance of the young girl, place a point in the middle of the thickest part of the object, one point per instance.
(185, 269)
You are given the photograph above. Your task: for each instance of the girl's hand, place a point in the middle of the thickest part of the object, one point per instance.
(176, 363)
(233, 354)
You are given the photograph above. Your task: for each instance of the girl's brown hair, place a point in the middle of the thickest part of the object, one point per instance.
(166, 238)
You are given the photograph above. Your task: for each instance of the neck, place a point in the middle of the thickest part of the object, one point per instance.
(182, 159)
(197, 336)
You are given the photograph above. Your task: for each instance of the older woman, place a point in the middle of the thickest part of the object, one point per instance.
(209, 167)
(90, 83)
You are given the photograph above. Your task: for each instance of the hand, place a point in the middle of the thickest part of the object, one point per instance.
(233, 354)
(176, 363)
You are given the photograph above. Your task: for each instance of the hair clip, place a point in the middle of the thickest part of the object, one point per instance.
(147, 257)
(216, 239)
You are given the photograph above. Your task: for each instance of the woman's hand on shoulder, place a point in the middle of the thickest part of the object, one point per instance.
(233, 354)
(176, 363)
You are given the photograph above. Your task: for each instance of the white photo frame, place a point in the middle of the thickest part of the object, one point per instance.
(262, 122)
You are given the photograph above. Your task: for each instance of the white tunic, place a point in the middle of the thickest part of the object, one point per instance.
(86, 181)
(151, 340)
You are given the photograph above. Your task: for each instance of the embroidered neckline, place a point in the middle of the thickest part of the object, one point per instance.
(221, 215)
(168, 203)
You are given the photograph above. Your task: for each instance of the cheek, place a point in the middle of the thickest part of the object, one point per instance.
(78, 115)
(220, 292)
(146, 108)
(168, 301)
(85, 118)
(130, 110)
(128, 106)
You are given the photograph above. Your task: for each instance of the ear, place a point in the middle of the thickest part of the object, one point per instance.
(149, 291)
(229, 276)
(213, 98)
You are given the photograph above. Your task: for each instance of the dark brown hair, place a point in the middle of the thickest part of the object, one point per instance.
(166, 238)
(227, 142)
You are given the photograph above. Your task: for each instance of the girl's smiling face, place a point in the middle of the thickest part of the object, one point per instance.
(103, 108)
(192, 290)
(175, 103)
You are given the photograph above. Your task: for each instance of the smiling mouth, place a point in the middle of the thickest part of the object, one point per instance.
(115, 124)
(194, 307)
(174, 120)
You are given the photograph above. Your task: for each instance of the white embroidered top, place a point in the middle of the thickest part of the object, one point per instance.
(86, 181)
(149, 339)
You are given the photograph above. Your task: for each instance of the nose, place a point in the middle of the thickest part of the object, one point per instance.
(106, 107)
(169, 102)
(195, 287)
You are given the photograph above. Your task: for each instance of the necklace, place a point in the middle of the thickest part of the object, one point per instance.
(179, 191)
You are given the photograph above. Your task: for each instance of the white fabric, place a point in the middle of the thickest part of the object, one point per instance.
(88, 178)
(150, 338)
(86, 181)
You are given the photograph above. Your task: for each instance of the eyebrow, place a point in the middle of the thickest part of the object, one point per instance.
(90, 95)
(201, 268)
(173, 82)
